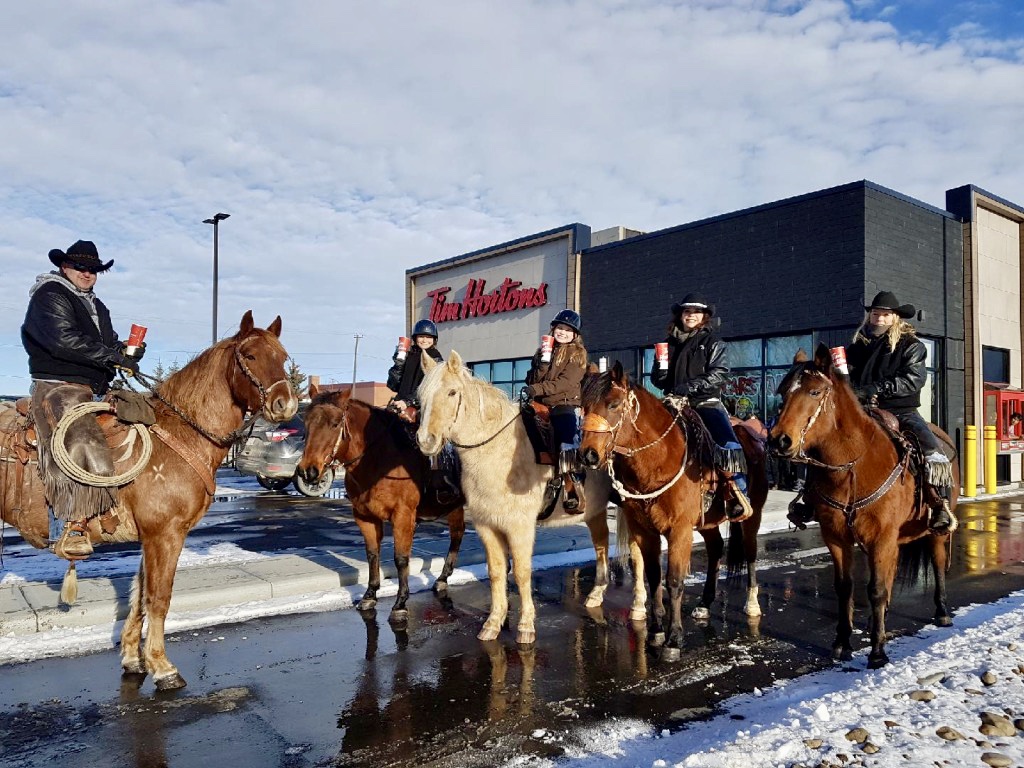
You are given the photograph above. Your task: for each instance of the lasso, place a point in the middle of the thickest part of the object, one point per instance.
(75, 472)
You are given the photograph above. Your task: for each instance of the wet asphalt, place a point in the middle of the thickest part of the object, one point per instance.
(344, 689)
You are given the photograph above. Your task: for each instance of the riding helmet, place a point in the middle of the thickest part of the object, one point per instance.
(424, 328)
(568, 317)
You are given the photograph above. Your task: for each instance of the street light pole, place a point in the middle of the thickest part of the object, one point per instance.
(216, 220)
(355, 358)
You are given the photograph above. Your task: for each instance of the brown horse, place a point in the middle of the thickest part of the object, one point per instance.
(384, 480)
(198, 411)
(862, 493)
(663, 474)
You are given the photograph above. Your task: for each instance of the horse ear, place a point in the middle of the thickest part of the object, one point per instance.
(275, 327)
(314, 390)
(346, 395)
(823, 359)
(592, 369)
(247, 324)
(618, 375)
(800, 356)
(427, 363)
(455, 362)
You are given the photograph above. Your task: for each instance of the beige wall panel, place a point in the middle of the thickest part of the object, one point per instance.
(999, 286)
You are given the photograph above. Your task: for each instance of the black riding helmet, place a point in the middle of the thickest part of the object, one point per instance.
(424, 328)
(568, 317)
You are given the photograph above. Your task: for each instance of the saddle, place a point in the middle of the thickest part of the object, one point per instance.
(22, 499)
(537, 420)
(908, 443)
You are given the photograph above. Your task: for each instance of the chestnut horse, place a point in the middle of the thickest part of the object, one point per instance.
(384, 480)
(503, 485)
(862, 493)
(198, 412)
(661, 465)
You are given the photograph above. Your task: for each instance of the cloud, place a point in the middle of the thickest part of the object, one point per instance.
(351, 141)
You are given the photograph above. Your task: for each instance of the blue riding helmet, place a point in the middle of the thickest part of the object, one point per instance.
(568, 317)
(424, 328)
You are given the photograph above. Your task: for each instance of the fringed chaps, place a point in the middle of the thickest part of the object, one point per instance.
(730, 460)
(940, 473)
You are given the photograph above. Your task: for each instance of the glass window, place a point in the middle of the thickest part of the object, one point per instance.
(742, 393)
(647, 365)
(745, 353)
(501, 370)
(522, 367)
(782, 349)
(481, 370)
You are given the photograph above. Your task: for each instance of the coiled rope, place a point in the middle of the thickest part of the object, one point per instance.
(75, 472)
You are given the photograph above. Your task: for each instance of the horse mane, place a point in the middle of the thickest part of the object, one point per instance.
(487, 393)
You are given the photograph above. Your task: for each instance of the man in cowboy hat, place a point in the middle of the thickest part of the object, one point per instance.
(887, 366)
(73, 354)
(697, 370)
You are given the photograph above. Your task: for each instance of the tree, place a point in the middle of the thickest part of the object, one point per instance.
(159, 372)
(296, 377)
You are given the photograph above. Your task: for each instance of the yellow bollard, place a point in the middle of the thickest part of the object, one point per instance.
(991, 444)
(970, 461)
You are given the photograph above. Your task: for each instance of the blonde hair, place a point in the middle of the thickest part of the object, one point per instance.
(896, 331)
(572, 351)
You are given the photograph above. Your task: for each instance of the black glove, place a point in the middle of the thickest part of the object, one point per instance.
(531, 391)
(682, 390)
(140, 350)
(126, 365)
(866, 393)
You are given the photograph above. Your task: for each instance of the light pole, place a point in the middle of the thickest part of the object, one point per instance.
(216, 220)
(355, 358)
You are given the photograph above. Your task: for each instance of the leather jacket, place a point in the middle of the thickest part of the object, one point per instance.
(895, 376)
(64, 343)
(697, 365)
(404, 376)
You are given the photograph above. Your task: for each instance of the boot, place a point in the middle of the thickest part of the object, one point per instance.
(572, 493)
(737, 509)
(800, 514)
(552, 491)
(73, 543)
(443, 488)
(941, 520)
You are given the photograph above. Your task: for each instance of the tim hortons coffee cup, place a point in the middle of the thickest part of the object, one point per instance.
(839, 360)
(661, 354)
(547, 343)
(403, 347)
(135, 338)
(602, 364)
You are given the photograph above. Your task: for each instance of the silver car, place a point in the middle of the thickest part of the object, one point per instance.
(271, 452)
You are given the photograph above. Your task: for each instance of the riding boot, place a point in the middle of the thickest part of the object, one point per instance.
(552, 491)
(572, 493)
(738, 508)
(73, 542)
(800, 513)
(941, 519)
(438, 481)
(939, 479)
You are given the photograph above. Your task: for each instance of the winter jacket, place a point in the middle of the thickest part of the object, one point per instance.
(405, 376)
(63, 341)
(697, 365)
(896, 376)
(559, 382)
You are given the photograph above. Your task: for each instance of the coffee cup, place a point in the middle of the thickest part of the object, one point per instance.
(547, 343)
(135, 338)
(404, 343)
(661, 354)
(839, 360)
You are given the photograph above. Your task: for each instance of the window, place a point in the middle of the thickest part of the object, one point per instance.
(507, 375)
(757, 367)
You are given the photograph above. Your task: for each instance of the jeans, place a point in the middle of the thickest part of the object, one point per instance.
(716, 419)
(565, 423)
(912, 421)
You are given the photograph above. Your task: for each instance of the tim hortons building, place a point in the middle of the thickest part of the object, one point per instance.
(783, 276)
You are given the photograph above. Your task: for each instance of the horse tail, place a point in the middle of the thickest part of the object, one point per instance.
(914, 560)
(621, 539)
(735, 553)
(69, 587)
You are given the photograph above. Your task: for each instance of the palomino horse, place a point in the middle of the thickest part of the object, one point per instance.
(384, 478)
(503, 484)
(200, 409)
(661, 462)
(862, 493)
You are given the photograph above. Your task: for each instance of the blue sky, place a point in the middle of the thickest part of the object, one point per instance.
(354, 140)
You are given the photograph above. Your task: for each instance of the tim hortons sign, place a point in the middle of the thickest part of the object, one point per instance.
(508, 297)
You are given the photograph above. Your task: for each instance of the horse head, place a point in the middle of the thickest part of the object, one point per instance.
(258, 379)
(441, 396)
(607, 406)
(325, 431)
(808, 403)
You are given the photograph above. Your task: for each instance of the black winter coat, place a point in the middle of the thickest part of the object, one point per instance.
(405, 376)
(63, 342)
(896, 376)
(697, 366)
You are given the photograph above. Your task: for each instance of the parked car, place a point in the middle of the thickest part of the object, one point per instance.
(271, 452)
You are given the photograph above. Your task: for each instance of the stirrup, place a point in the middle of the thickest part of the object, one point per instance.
(800, 514)
(941, 520)
(77, 547)
(739, 508)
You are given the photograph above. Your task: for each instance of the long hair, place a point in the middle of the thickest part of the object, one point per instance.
(573, 351)
(896, 331)
(676, 324)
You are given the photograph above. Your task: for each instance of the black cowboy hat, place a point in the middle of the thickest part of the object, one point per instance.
(695, 301)
(887, 300)
(82, 254)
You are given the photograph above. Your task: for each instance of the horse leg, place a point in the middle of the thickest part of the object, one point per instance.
(882, 558)
(649, 546)
(521, 544)
(456, 530)
(403, 524)
(131, 633)
(680, 544)
(638, 610)
(842, 566)
(373, 533)
(940, 562)
(160, 551)
(497, 571)
(714, 546)
(598, 525)
(748, 529)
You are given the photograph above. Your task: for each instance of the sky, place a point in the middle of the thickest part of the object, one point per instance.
(351, 141)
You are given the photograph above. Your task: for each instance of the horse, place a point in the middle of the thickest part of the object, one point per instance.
(660, 462)
(199, 411)
(384, 478)
(503, 485)
(862, 493)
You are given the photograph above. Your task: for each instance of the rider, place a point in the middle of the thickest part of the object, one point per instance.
(887, 365)
(556, 383)
(697, 370)
(404, 379)
(73, 354)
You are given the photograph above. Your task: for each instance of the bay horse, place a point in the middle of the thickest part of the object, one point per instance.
(385, 475)
(862, 492)
(661, 465)
(199, 411)
(503, 485)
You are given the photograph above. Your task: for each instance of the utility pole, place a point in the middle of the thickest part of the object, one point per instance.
(355, 358)
(216, 219)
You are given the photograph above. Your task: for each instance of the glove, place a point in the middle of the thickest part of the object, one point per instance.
(531, 391)
(127, 365)
(682, 390)
(140, 350)
(865, 393)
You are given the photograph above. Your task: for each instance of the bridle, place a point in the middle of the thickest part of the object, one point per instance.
(825, 403)
(467, 446)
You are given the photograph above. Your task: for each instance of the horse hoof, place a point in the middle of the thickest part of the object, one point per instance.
(488, 633)
(877, 661)
(526, 638)
(366, 604)
(657, 640)
(636, 614)
(440, 587)
(669, 654)
(700, 613)
(943, 621)
(842, 654)
(135, 667)
(400, 616)
(594, 602)
(170, 683)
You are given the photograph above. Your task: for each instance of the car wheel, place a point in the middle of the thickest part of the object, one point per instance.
(317, 489)
(273, 483)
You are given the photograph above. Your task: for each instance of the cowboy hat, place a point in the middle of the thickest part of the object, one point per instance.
(694, 301)
(887, 300)
(83, 254)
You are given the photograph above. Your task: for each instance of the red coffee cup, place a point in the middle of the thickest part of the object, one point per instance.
(661, 354)
(404, 343)
(135, 338)
(547, 343)
(839, 360)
